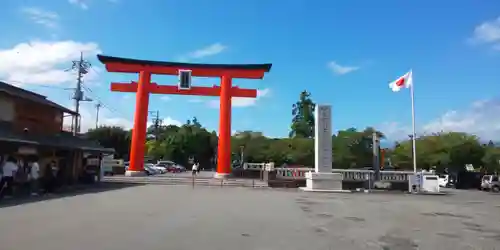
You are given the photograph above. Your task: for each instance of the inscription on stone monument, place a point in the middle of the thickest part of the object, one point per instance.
(323, 139)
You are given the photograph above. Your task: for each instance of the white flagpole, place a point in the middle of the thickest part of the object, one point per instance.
(414, 135)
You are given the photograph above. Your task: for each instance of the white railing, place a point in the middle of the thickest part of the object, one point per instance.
(259, 166)
(349, 174)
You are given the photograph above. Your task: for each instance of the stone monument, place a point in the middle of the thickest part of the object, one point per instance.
(322, 179)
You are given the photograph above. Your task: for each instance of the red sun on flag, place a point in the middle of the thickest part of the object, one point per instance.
(400, 82)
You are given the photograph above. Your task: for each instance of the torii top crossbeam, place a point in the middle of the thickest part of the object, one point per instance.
(126, 65)
(144, 87)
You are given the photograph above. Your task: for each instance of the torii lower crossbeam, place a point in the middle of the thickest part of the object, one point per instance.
(154, 88)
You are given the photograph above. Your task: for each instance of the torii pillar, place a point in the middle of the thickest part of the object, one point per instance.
(144, 87)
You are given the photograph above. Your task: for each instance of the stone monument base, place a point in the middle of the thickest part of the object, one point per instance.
(324, 182)
(130, 173)
(221, 176)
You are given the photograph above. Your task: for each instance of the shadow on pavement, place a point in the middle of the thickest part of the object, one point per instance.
(68, 192)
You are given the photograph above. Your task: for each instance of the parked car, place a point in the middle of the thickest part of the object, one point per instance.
(150, 169)
(176, 169)
(162, 169)
(490, 182)
(173, 169)
(165, 163)
(159, 169)
(171, 166)
(168, 166)
(180, 168)
(443, 180)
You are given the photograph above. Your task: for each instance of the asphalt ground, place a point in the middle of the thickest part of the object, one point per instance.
(140, 216)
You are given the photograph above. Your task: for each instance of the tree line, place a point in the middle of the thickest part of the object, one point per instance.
(352, 148)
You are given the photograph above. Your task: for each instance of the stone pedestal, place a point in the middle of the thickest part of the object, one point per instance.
(131, 173)
(324, 182)
(221, 175)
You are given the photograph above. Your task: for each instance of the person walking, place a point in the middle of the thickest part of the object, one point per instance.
(10, 169)
(34, 176)
(195, 168)
(50, 177)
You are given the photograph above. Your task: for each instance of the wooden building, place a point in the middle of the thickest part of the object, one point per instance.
(32, 125)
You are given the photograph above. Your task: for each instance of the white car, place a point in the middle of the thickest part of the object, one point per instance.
(160, 168)
(443, 180)
(150, 169)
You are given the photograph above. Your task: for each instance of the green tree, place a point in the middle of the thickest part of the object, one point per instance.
(452, 150)
(112, 137)
(179, 144)
(491, 158)
(303, 116)
(352, 148)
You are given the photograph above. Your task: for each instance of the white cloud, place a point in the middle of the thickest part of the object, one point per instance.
(210, 50)
(340, 69)
(395, 131)
(488, 33)
(82, 4)
(242, 101)
(39, 16)
(168, 121)
(480, 119)
(45, 62)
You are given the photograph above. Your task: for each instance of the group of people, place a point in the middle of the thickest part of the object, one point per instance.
(17, 174)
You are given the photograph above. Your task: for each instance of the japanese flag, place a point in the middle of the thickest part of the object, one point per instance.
(403, 82)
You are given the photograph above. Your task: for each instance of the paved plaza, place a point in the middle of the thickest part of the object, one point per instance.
(144, 217)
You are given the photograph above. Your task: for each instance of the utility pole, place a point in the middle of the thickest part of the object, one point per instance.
(376, 155)
(156, 123)
(82, 67)
(242, 150)
(97, 107)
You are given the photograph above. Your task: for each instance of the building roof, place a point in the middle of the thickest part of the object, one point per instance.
(111, 59)
(63, 140)
(32, 96)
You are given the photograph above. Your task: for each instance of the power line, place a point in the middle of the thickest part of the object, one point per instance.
(100, 100)
(100, 103)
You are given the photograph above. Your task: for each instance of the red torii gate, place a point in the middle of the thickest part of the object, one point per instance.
(144, 87)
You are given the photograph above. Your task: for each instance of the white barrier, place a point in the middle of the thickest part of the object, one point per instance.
(259, 166)
(349, 174)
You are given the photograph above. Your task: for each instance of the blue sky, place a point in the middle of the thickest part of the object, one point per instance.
(344, 52)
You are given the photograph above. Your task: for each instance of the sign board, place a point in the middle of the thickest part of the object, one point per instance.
(323, 139)
(27, 151)
(185, 79)
(469, 167)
